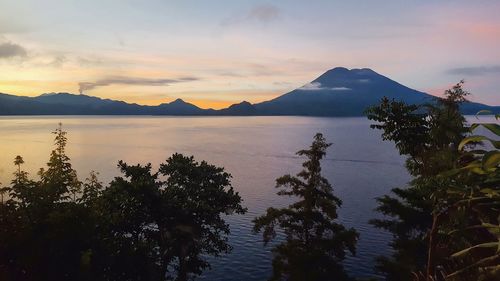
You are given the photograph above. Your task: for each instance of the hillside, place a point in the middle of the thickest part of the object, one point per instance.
(337, 92)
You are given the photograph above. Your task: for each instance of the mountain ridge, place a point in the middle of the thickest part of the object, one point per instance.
(337, 92)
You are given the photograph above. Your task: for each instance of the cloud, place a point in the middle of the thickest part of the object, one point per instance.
(475, 70)
(89, 61)
(87, 86)
(9, 50)
(57, 61)
(316, 86)
(264, 14)
(340, 89)
(313, 86)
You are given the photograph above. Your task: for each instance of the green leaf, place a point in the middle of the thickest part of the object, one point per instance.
(483, 245)
(496, 144)
(478, 171)
(474, 126)
(470, 139)
(491, 159)
(481, 262)
(494, 128)
(467, 140)
(493, 228)
(489, 191)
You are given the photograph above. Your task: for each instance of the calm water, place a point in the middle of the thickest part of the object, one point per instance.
(255, 150)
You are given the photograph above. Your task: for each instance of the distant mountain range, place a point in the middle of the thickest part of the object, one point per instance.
(338, 92)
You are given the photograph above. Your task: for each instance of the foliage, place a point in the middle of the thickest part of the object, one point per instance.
(59, 179)
(429, 135)
(475, 191)
(142, 226)
(315, 243)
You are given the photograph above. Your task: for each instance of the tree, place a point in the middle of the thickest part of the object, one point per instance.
(315, 243)
(198, 194)
(139, 227)
(429, 135)
(128, 240)
(92, 189)
(168, 228)
(43, 234)
(60, 178)
(22, 188)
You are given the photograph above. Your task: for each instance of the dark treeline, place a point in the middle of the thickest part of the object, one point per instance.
(164, 224)
(144, 225)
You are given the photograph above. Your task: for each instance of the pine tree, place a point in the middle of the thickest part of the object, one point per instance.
(315, 243)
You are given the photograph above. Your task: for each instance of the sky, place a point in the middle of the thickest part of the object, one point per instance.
(215, 53)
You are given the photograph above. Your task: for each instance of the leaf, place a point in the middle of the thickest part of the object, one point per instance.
(493, 228)
(491, 159)
(470, 139)
(476, 264)
(483, 245)
(474, 126)
(478, 151)
(489, 191)
(467, 140)
(494, 128)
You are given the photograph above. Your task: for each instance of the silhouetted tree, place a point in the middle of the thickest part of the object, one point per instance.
(137, 228)
(315, 243)
(92, 189)
(43, 234)
(429, 135)
(22, 187)
(198, 194)
(128, 240)
(169, 227)
(59, 179)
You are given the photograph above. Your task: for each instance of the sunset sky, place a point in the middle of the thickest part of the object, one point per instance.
(214, 53)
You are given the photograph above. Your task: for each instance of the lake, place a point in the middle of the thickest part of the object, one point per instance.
(255, 150)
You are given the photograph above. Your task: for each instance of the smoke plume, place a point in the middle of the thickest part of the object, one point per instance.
(87, 86)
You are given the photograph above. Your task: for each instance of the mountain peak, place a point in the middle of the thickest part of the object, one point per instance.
(339, 69)
(178, 101)
(345, 71)
(340, 77)
(366, 71)
(245, 103)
